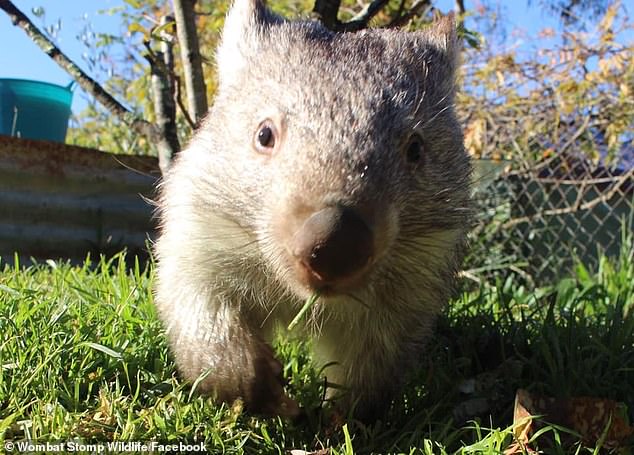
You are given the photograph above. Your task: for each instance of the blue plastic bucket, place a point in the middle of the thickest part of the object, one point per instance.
(34, 110)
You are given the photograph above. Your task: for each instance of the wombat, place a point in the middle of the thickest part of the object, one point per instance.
(330, 163)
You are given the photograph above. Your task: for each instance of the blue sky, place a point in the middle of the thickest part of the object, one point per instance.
(21, 58)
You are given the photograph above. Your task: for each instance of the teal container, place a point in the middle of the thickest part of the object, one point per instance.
(34, 110)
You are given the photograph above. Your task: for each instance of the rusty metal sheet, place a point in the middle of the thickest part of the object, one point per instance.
(63, 201)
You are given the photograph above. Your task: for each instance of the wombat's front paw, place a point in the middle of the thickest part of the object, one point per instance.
(267, 394)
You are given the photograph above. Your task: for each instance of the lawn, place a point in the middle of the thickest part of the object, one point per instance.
(84, 359)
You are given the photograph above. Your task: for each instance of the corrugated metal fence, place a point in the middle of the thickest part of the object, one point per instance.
(64, 201)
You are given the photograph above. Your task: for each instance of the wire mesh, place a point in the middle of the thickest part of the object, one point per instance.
(540, 222)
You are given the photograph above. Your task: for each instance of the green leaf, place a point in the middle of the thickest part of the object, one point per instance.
(102, 348)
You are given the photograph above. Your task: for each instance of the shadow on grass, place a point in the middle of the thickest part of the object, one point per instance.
(573, 339)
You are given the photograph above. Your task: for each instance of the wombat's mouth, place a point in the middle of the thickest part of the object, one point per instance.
(328, 286)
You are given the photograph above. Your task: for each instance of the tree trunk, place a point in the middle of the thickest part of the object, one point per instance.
(163, 90)
(459, 9)
(190, 56)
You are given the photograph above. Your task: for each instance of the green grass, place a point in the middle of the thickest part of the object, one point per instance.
(83, 357)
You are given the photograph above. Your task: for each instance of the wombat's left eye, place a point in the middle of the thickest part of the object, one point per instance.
(265, 137)
(415, 150)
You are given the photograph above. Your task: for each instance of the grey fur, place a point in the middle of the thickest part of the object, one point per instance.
(346, 107)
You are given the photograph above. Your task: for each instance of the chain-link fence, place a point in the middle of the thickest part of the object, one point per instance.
(551, 129)
(539, 222)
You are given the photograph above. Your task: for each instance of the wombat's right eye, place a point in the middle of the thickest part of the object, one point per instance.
(265, 137)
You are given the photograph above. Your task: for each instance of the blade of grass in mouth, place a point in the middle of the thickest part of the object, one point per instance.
(310, 301)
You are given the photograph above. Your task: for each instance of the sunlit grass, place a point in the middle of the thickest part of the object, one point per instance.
(83, 355)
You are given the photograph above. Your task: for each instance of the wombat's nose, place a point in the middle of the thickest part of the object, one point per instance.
(332, 245)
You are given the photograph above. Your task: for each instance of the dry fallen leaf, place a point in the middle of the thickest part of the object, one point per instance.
(593, 418)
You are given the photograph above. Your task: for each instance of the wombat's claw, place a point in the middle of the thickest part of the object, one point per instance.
(268, 396)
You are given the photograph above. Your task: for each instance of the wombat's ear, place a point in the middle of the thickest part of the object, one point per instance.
(244, 24)
(443, 36)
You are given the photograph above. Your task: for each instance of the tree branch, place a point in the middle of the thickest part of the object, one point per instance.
(179, 102)
(86, 82)
(362, 19)
(419, 8)
(326, 11)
